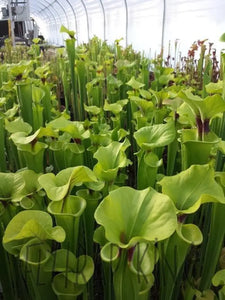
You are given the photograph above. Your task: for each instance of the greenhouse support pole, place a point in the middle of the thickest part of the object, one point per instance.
(126, 8)
(11, 23)
(104, 20)
(86, 13)
(51, 14)
(163, 26)
(63, 9)
(28, 8)
(75, 19)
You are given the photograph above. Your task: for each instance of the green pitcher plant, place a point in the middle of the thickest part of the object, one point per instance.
(117, 109)
(203, 109)
(188, 190)
(72, 275)
(28, 237)
(11, 185)
(43, 73)
(2, 145)
(110, 159)
(77, 127)
(199, 144)
(127, 242)
(66, 207)
(150, 139)
(70, 48)
(30, 149)
(92, 198)
(69, 148)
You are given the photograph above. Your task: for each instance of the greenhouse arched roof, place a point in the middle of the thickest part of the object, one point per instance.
(146, 24)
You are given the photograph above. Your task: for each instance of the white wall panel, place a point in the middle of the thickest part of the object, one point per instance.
(145, 25)
(190, 21)
(96, 18)
(186, 20)
(115, 20)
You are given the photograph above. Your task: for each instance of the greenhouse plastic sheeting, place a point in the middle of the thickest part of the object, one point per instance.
(146, 24)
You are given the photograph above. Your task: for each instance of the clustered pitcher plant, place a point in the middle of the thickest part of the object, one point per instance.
(112, 174)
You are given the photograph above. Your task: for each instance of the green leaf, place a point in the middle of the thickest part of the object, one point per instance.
(191, 100)
(219, 278)
(27, 225)
(195, 151)
(43, 71)
(109, 252)
(36, 40)
(71, 206)
(222, 38)
(214, 87)
(125, 64)
(205, 108)
(46, 131)
(144, 259)
(122, 102)
(95, 110)
(110, 159)
(154, 136)
(220, 177)
(59, 186)
(119, 135)
(11, 184)
(30, 186)
(113, 81)
(27, 203)
(221, 146)
(212, 105)
(76, 270)
(22, 138)
(190, 233)
(135, 84)
(18, 125)
(143, 104)
(74, 128)
(37, 94)
(221, 293)
(122, 213)
(60, 261)
(10, 113)
(152, 160)
(205, 295)
(174, 103)
(164, 79)
(95, 186)
(82, 270)
(145, 94)
(3, 101)
(22, 68)
(115, 108)
(62, 287)
(35, 252)
(71, 33)
(192, 187)
(99, 236)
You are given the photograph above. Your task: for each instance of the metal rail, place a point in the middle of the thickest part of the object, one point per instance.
(104, 19)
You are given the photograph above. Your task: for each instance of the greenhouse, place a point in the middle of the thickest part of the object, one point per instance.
(112, 150)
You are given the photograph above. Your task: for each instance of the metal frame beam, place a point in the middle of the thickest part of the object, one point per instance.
(104, 19)
(86, 13)
(126, 12)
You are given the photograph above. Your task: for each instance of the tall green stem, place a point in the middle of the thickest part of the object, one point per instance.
(173, 255)
(70, 47)
(24, 92)
(214, 245)
(2, 146)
